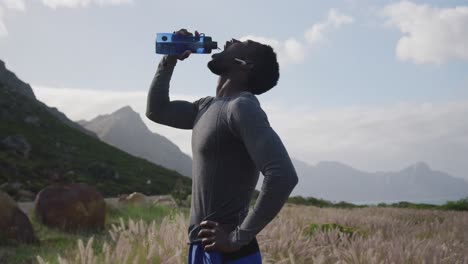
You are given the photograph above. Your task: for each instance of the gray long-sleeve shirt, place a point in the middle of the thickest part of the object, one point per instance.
(232, 141)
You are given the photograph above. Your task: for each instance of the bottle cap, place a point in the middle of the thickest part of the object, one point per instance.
(209, 44)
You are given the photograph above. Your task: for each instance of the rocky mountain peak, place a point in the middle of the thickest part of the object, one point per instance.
(125, 129)
(11, 82)
(419, 167)
(126, 118)
(126, 112)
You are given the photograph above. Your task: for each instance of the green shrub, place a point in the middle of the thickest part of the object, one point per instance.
(404, 204)
(349, 231)
(321, 202)
(460, 205)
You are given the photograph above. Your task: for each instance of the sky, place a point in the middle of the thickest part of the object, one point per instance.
(378, 85)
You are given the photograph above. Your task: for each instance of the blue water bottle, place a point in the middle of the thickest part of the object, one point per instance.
(173, 44)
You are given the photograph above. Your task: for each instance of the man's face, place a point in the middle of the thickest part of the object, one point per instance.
(223, 62)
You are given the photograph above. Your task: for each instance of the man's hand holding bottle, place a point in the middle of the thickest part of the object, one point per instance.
(186, 53)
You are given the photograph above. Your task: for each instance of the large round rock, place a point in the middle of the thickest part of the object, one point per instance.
(14, 224)
(71, 207)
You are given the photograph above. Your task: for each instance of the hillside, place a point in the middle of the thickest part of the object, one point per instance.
(126, 130)
(39, 147)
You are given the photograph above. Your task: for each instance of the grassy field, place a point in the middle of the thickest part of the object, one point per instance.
(300, 234)
(55, 242)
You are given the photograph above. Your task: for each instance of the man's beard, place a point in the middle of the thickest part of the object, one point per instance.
(216, 64)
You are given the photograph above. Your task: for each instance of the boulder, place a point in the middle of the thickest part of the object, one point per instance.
(71, 207)
(165, 200)
(14, 224)
(134, 199)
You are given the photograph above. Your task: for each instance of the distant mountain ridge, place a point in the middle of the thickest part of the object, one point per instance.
(126, 130)
(338, 182)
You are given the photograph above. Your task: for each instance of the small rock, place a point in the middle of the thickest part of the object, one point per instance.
(16, 185)
(166, 200)
(134, 199)
(17, 144)
(70, 173)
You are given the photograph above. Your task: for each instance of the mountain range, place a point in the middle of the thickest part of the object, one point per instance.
(126, 130)
(328, 180)
(338, 182)
(40, 145)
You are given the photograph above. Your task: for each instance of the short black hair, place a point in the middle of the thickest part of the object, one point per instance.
(265, 72)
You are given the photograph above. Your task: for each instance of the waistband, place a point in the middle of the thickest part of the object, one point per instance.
(193, 232)
(244, 251)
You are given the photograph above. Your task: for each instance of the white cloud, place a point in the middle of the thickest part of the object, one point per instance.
(288, 52)
(292, 50)
(17, 5)
(335, 20)
(14, 4)
(371, 138)
(379, 137)
(82, 3)
(3, 29)
(431, 34)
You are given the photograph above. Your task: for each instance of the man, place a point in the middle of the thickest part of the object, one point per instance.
(232, 142)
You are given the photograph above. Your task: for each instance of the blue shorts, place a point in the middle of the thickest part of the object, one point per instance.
(249, 254)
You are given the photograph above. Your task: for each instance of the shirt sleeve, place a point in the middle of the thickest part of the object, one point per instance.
(249, 123)
(177, 113)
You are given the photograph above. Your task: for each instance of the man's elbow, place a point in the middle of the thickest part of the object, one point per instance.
(293, 179)
(154, 116)
(290, 179)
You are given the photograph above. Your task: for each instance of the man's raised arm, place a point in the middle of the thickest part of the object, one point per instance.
(178, 114)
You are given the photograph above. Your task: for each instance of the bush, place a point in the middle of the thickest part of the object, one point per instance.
(180, 192)
(349, 231)
(404, 204)
(321, 202)
(460, 205)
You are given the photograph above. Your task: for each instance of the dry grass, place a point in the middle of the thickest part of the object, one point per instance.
(380, 235)
(383, 235)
